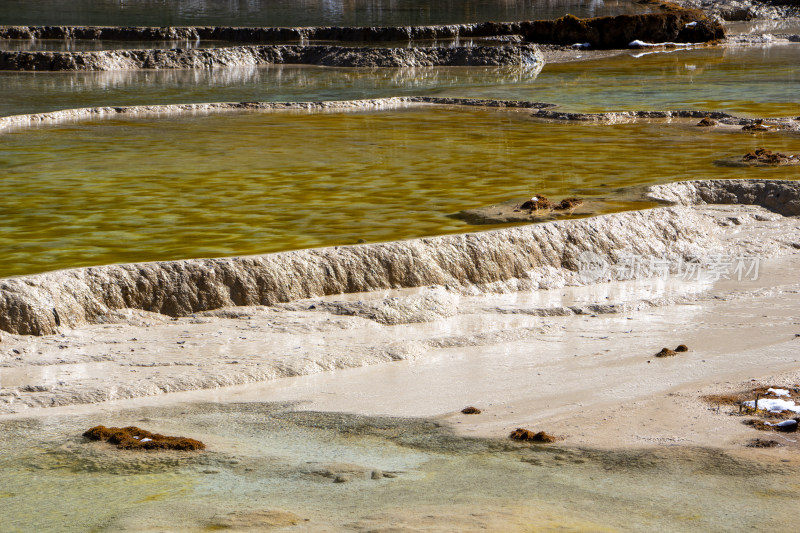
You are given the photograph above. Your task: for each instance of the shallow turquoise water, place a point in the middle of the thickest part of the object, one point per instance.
(264, 457)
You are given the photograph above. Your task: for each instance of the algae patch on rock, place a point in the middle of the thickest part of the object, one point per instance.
(134, 438)
(530, 436)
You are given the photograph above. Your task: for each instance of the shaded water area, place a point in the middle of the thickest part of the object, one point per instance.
(297, 12)
(751, 81)
(268, 465)
(235, 184)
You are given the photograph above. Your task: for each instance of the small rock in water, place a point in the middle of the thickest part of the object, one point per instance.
(682, 348)
(376, 474)
(471, 410)
(707, 122)
(757, 125)
(341, 478)
(768, 157)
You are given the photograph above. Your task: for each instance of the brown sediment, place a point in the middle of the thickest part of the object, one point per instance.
(471, 410)
(134, 438)
(528, 435)
(762, 443)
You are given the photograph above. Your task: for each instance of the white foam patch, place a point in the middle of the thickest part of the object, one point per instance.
(774, 405)
(778, 392)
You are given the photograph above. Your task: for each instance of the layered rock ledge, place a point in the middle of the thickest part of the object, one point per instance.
(670, 25)
(332, 56)
(519, 258)
(541, 110)
(88, 113)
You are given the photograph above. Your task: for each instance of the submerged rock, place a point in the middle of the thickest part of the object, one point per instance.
(763, 156)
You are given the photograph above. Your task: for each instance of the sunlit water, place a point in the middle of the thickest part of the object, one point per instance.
(297, 12)
(123, 191)
(752, 81)
(264, 457)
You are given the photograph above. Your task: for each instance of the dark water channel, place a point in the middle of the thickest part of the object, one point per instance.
(297, 12)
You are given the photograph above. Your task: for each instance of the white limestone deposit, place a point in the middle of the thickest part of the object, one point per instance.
(506, 320)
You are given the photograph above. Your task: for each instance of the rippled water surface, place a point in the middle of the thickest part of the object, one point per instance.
(297, 12)
(751, 81)
(123, 191)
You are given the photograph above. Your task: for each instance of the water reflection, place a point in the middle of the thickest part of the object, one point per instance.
(791, 26)
(749, 81)
(27, 92)
(297, 12)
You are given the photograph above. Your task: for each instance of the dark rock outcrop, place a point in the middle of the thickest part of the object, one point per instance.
(602, 32)
(336, 56)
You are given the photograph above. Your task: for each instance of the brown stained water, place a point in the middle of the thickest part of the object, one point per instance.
(235, 184)
(266, 464)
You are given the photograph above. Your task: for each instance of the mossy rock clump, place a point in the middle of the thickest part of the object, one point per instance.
(671, 24)
(666, 352)
(471, 410)
(530, 436)
(134, 438)
(764, 157)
